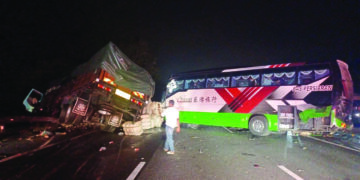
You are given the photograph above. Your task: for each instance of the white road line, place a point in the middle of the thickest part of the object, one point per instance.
(339, 145)
(295, 176)
(136, 171)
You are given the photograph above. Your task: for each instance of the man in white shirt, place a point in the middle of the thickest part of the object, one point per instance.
(171, 115)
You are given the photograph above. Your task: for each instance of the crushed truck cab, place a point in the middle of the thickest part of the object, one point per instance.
(108, 89)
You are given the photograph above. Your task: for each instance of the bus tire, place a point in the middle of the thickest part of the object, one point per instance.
(258, 126)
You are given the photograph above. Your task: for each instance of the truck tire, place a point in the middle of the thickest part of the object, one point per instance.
(63, 113)
(67, 114)
(258, 126)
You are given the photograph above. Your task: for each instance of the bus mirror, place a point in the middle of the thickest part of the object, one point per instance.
(32, 99)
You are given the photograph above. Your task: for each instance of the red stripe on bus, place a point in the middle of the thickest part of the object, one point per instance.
(239, 98)
(225, 95)
(249, 105)
(246, 96)
(234, 91)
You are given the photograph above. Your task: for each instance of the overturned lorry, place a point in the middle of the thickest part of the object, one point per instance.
(108, 89)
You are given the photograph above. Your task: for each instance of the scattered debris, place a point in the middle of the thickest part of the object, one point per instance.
(47, 142)
(305, 133)
(256, 165)
(251, 138)
(46, 133)
(60, 133)
(299, 170)
(120, 133)
(248, 154)
(102, 149)
(200, 151)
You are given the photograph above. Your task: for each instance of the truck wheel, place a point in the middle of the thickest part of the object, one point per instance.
(68, 114)
(63, 113)
(259, 126)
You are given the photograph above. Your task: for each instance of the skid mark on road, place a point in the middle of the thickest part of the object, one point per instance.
(47, 142)
(83, 164)
(43, 146)
(338, 145)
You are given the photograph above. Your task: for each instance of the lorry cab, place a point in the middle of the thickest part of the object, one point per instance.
(108, 89)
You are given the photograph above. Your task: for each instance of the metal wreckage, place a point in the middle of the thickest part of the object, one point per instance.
(108, 89)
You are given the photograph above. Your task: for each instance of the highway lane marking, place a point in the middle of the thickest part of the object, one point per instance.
(136, 171)
(295, 176)
(41, 147)
(339, 145)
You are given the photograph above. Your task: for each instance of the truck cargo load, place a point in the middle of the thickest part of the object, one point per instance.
(108, 89)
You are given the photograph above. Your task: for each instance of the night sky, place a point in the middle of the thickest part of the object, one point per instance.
(44, 40)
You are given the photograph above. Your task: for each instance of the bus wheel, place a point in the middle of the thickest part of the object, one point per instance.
(258, 126)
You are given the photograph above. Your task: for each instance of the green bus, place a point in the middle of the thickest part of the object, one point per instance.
(265, 99)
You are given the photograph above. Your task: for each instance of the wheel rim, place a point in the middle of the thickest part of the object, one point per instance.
(258, 125)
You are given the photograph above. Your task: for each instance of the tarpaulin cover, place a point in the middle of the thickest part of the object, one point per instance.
(117, 64)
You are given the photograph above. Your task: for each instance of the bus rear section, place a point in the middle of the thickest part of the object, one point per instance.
(265, 99)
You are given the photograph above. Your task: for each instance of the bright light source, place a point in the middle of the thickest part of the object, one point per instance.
(343, 125)
(139, 94)
(108, 80)
(104, 112)
(137, 102)
(122, 94)
(11, 119)
(104, 87)
(357, 114)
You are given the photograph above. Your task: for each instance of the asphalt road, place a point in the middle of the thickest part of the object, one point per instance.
(204, 153)
(95, 155)
(215, 153)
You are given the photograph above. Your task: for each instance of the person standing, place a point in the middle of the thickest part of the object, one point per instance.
(171, 115)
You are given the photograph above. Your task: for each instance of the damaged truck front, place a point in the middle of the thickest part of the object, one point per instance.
(109, 89)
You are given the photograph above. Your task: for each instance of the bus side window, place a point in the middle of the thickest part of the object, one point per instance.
(195, 83)
(188, 84)
(267, 79)
(245, 80)
(254, 80)
(320, 73)
(306, 77)
(218, 82)
(284, 78)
